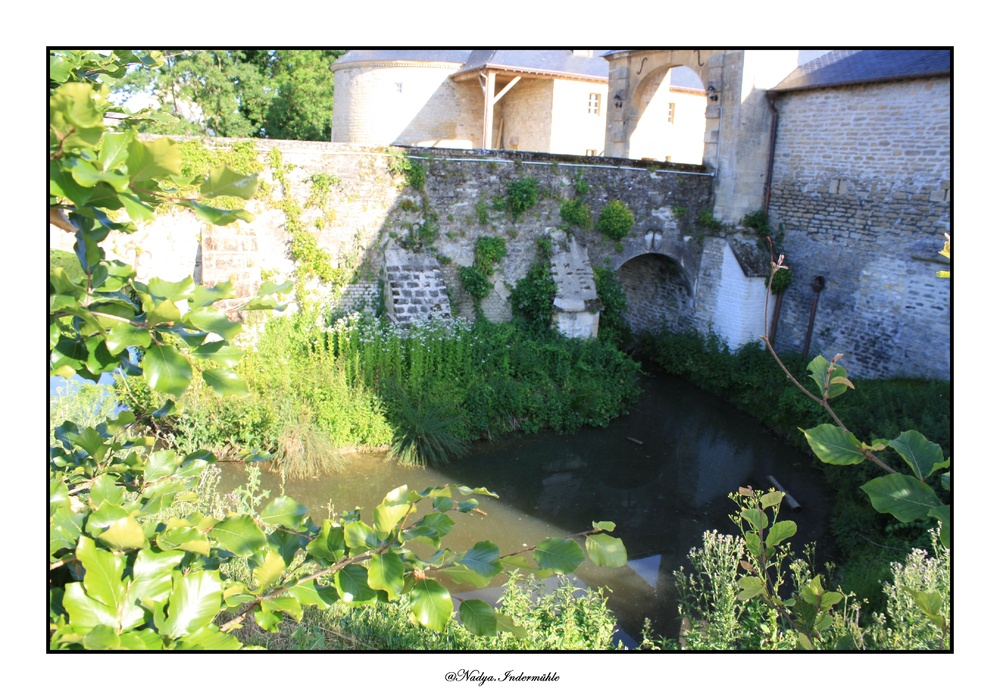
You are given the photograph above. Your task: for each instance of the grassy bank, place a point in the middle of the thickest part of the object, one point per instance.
(318, 387)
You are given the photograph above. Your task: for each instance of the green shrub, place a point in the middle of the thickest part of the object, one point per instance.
(533, 295)
(490, 250)
(521, 196)
(482, 212)
(905, 625)
(708, 221)
(565, 619)
(576, 212)
(616, 220)
(475, 282)
(714, 617)
(613, 327)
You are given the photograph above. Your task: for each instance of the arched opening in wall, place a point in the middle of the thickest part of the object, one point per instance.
(658, 293)
(670, 104)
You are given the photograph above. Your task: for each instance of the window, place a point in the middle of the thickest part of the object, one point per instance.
(399, 87)
(591, 152)
(671, 108)
(594, 103)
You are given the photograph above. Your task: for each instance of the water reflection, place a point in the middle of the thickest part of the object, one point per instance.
(662, 474)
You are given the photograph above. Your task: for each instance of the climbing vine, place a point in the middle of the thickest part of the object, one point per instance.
(490, 250)
(305, 250)
(532, 297)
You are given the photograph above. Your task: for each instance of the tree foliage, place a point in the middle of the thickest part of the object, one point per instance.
(263, 93)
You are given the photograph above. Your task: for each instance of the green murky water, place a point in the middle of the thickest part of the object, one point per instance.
(661, 473)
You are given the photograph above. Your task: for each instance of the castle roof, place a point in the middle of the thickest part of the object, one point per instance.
(854, 67)
(551, 62)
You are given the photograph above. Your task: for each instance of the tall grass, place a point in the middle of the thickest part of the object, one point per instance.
(422, 392)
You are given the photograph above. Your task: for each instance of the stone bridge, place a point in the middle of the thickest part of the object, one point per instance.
(376, 227)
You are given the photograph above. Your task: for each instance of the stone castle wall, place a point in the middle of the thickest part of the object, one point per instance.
(862, 186)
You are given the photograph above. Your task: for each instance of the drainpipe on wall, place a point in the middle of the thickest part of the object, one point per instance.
(770, 155)
(819, 283)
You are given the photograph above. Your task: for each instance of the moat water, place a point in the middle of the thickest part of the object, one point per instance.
(662, 473)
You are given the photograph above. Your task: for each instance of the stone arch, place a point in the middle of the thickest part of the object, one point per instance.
(669, 116)
(658, 290)
(631, 73)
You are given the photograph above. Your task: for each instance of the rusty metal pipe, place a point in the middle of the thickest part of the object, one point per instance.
(818, 285)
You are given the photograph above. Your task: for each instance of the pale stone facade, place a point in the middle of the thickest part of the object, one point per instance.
(385, 98)
(405, 103)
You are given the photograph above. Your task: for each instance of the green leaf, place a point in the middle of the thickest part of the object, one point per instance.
(268, 572)
(308, 593)
(834, 445)
(239, 534)
(838, 379)
(605, 525)
(360, 536)
(391, 510)
(195, 600)
(124, 335)
(430, 604)
(284, 511)
(84, 612)
(161, 463)
(184, 538)
(216, 216)
(210, 319)
(468, 577)
(206, 296)
(771, 499)
(929, 603)
(106, 489)
(166, 370)
(779, 532)
(385, 573)
(352, 584)
(562, 556)
(750, 587)
(224, 182)
(148, 160)
(917, 451)
(479, 616)
(901, 495)
(103, 576)
(123, 534)
(606, 551)
(328, 545)
(756, 517)
(225, 382)
(209, 638)
(114, 149)
(220, 352)
(483, 558)
(151, 577)
(286, 605)
(943, 513)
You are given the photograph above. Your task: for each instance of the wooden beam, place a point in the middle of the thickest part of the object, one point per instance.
(488, 101)
(503, 92)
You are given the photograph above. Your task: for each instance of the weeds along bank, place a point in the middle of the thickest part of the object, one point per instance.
(318, 387)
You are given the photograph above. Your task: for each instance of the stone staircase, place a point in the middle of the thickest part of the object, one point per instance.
(414, 288)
